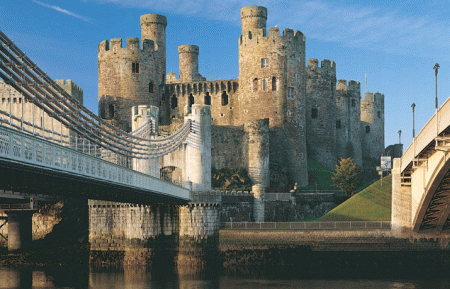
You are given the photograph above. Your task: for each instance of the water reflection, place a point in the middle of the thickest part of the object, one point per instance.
(168, 278)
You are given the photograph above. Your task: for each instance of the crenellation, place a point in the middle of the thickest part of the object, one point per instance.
(310, 114)
(133, 43)
(313, 62)
(115, 43)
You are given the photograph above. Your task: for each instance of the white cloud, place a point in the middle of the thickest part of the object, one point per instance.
(59, 9)
(352, 26)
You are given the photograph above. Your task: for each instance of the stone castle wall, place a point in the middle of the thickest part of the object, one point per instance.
(33, 117)
(372, 125)
(348, 122)
(321, 111)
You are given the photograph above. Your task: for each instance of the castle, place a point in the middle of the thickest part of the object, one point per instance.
(279, 112)
(309, 114)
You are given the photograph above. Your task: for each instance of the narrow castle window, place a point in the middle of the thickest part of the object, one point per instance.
(314, 113)
(274, 83)
(191, 99)
(135, 67)
(111, 111)
(290, 92)
(264, 62)
(207, 99)
(3, 100)
(174, 102)
(224, 98)
(379, 114)
(367, 129)
(150, 87)
(264, 83)
(255, 84)
(338, 123)
(353, 102)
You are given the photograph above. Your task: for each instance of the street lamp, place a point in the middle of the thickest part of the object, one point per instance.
(399, 136)
(436, 67)
(414, 131)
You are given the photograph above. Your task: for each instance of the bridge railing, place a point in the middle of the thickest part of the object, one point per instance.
(20, 147)
(427, 134)
(338, 225)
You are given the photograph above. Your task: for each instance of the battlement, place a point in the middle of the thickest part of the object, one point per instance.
(254, 11)
(188, 49)
(71, 88)
(149, 19)
(258, 35)
(374, 98)
(352, 85)
(132, 43)
(213, 86)
(325, 65)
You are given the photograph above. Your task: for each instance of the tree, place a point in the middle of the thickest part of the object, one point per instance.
(346, 176)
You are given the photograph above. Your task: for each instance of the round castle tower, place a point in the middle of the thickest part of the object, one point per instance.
(372, 122)
(130, 76)
(272, 85)
(321, 111)
(348, 120)
(188, 55)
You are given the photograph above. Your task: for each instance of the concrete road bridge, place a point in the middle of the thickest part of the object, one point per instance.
(421, 181)
(52, 146)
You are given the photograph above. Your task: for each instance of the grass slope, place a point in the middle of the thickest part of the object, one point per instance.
(371, 204)
(319, 174)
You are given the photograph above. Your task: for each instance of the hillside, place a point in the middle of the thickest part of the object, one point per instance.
(371, 204)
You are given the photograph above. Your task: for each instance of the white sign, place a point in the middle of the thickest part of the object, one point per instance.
(386, 164)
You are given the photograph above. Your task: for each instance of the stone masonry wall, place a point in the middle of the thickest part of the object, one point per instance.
(348, 121)
(321, 112)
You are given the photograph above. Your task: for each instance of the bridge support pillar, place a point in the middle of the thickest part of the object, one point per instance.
(19, 229)
(401, 204)
(199, 235)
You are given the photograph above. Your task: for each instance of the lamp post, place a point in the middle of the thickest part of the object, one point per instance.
(399, 136)
(414, 131)
(436, 67)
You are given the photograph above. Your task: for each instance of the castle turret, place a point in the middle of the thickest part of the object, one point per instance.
(153, 27)
(272, 85)
(372, 125)
(130, 76)
(188, 55)
(348, 117)
(321, 111)
(253, 17)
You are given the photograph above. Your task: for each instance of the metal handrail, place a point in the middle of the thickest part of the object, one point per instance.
(333, 225)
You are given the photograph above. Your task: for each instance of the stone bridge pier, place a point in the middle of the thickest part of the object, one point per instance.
(144, 234)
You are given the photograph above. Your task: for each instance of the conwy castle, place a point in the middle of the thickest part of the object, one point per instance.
(279, 112)
(294, 109)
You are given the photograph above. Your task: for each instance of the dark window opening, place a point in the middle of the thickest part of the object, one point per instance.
(150, 87)
(207, 99)
(255, 84)
(290, 92)
(224, 98)
(163, 78)
(274, 83)
(367, 129)
(264, 62)
(135, 67)
(314, 113)
(191, 100)
(338, 123)
(353, 102)
(174, 102)
(379, 114)
(111, 111)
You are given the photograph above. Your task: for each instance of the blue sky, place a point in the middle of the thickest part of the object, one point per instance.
(396, 43)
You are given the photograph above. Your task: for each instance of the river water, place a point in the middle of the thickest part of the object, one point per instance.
(84, 276)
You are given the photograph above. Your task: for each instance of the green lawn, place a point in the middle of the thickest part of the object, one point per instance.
(371, 204)
(319, 174)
